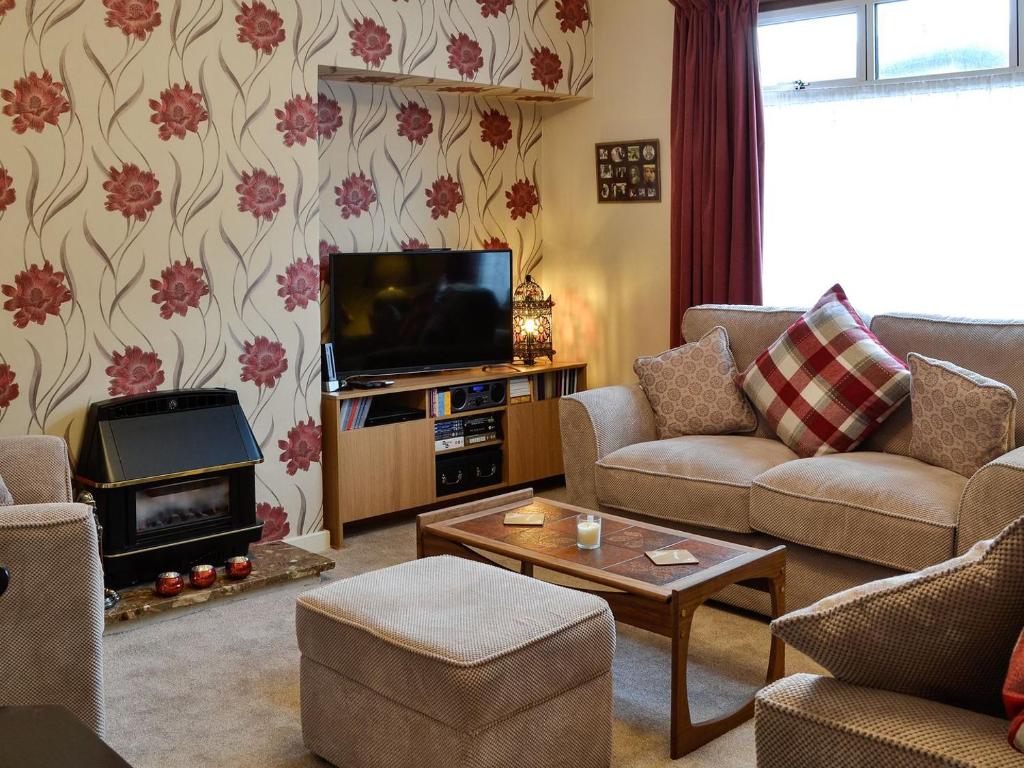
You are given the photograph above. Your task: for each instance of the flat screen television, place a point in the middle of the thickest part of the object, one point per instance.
(420, 310)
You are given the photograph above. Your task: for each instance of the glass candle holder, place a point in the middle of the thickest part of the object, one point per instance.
(588, 531)
(169, 584)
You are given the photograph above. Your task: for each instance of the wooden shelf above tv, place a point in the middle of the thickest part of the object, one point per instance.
(380, 470)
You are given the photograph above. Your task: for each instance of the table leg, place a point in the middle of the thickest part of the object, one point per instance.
(687, 735)
(526, 568)
(777, 654)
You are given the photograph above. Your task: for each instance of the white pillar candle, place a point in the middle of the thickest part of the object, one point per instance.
(588, 533)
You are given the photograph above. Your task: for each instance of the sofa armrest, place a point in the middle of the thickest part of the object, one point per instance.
(36, 469)
(51, 615)
(595, 423)
(993, 498)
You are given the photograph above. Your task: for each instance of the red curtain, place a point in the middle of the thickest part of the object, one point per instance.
(717, 156)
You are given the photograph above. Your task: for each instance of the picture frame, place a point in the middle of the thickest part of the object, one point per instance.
(628, 171)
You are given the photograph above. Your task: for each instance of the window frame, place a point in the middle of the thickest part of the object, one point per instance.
(867, 43)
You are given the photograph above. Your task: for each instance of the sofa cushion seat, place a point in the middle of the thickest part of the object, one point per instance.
(697, 480)
(878, 507)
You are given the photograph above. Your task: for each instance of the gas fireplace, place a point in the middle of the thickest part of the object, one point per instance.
(173, 479)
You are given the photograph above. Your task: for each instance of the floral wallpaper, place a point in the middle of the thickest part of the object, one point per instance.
(161, 191)
(422, 169)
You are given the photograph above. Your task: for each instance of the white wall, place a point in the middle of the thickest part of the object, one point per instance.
(607, 265)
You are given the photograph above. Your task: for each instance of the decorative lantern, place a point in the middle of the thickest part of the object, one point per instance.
(531, 322)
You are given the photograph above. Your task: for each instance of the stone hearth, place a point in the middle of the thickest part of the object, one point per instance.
(272, 563)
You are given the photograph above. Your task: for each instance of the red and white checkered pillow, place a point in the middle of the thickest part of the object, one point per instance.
(827, 383)
(1013, 696)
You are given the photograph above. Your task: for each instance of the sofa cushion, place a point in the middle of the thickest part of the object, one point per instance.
(944, 633)
(827, 383)
(885, 509)
(692, 391)
(461, 642)
(988, 347)
(961, 419)
(817, 722)
(699, 480)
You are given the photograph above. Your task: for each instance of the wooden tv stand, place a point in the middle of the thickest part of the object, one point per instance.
(379, 470)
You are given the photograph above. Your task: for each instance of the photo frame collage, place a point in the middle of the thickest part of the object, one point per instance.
(629, 171)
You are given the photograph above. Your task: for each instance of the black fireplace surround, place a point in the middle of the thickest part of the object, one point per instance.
(173, 478)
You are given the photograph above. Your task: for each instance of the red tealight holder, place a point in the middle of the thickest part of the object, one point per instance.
(202, 576)
(169, 584)
(238, 567)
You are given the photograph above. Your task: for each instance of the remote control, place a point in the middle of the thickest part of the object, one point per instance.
(376, 384)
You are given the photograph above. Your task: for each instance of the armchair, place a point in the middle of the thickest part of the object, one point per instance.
(51, 612)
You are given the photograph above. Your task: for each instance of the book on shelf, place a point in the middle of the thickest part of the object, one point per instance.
(354, 412)
(440, 403)
(557, 383)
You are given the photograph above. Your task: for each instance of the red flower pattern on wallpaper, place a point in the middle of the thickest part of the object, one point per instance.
(443, 197)
(328, 116)
(462, 89)
(180, 286)
(495, 129)
(302, 447)
(178, 111)
(260, 193)
(547, 67)
(7, 193)
(275, 522)
(36, 293)
(5, 6)
(133, 192)
(494, 244)
(355, 195)
(521, 199)
(370, 41)
(493, 7)
(300, 284)
(263, 361)
(414, 122)
(465, 55)
(414, 244)
(325, 260)
(133, 372)
(37, 100)
(136, 18)
(572, 14)
(298, 121)
(260, 26)
(8, 387)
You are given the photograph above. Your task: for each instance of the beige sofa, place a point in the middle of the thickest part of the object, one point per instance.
(846, 519)
(51, 614)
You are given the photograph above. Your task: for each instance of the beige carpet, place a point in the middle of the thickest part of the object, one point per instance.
(218, 686)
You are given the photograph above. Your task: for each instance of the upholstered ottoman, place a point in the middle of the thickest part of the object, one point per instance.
(448, 663)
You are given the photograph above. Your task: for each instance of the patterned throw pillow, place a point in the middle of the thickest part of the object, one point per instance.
(1013, 696)
(961, 420)
(827, 383)
(692, 391)
(944, 633)
(6, 499)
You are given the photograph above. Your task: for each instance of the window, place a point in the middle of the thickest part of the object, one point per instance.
(835, 43)
(931, 37)
(903, 184)
(819, 49)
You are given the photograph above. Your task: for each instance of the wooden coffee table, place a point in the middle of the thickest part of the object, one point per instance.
(660, 599)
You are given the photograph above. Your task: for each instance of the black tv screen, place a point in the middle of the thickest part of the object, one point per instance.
(420, 310)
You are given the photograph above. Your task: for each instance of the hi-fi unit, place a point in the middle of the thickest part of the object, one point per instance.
(473, 397)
